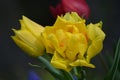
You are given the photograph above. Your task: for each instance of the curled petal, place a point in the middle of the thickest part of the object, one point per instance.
(77, 44)
(64, 22)
(60, 62)
(82, 63)
(96, 36)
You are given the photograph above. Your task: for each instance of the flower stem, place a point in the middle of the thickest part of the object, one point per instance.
(56, 73)
(79, 73)
(68, 75)
(60, 74)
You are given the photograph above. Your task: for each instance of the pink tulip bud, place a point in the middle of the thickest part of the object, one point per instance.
(79, 6)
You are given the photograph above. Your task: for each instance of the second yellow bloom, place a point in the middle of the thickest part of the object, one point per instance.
(28, 38)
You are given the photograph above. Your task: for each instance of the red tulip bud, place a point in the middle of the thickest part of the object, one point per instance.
(79, 6)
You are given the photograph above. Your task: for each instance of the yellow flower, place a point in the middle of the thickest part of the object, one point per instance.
(28, 38)
(72, 42)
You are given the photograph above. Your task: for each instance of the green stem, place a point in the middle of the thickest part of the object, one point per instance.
(60, 74)
(56, 73)
(75, 71)
(80, 73)
(68, 75)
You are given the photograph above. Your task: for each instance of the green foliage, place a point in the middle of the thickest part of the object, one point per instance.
(114, 71)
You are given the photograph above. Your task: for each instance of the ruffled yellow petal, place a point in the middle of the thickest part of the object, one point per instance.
(77, 43)
(56, 44)
(60, 62)
(80, 62)
(96, 36)
(76, 20)
(76, 17)
(68, 17)
(72, 17)
(62, 23)
(48, 45)
(62, 39)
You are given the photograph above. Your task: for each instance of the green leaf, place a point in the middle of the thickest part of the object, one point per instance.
(113, 72)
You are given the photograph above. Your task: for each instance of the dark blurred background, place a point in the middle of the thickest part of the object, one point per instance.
(14, 62)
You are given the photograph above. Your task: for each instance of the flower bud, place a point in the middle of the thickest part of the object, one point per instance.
(28, 38)
(79, 6)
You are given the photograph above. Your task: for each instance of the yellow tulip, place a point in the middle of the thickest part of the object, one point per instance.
(28, 38)
(72, 42)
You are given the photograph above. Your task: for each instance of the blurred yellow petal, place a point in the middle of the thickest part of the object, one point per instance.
(94, 32)
(49, 47)
(76, 17)
(80, 62)
(25, 36)
(33, 27)
(68, 17)
(95, 47)
(29, 37)
(28, 49)
(76, 43)
(63, 23)
(55, 43)
(99, 24)
(96, 36)
(62, 39)
(52, 38)
(59, 62)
